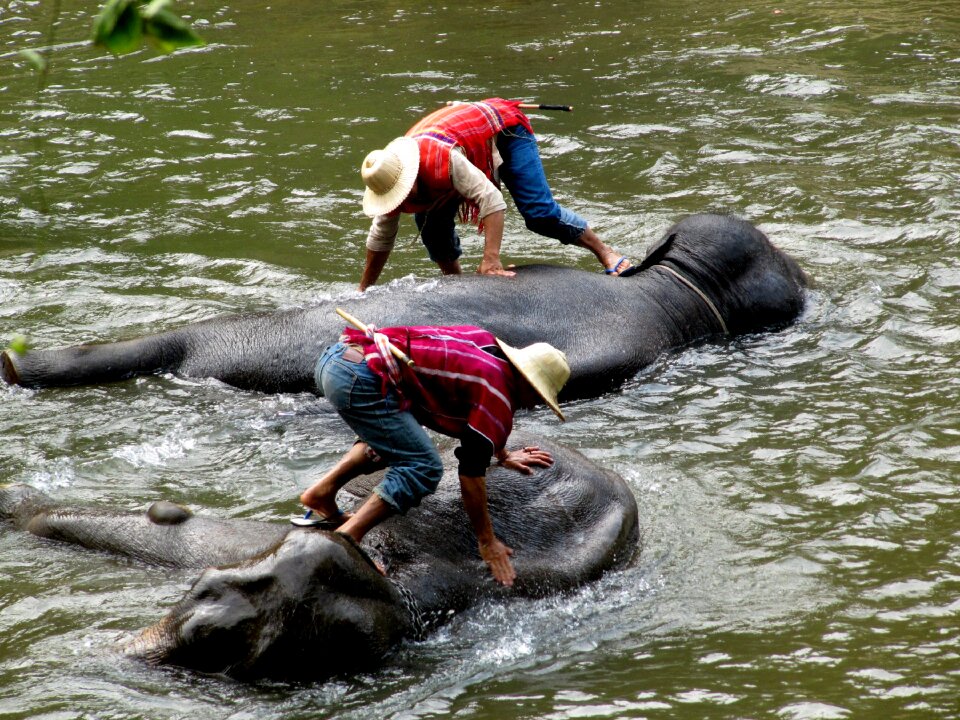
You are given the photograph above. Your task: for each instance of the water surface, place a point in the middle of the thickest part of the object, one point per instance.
(797, 490)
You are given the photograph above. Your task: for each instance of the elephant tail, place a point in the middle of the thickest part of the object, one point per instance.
(89, 364)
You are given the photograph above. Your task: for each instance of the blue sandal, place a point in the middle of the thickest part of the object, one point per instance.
(615, 269)
(330, 522)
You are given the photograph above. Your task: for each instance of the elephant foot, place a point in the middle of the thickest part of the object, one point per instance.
(8, 371)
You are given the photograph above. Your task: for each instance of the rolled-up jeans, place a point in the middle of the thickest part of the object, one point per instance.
(414, 466)
(522, 173)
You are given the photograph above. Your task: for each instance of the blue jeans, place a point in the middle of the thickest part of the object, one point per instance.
(522, 173)
(414, 466)
(438, 231)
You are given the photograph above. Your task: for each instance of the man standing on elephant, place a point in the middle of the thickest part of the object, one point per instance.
(464, 383)
(449, 164)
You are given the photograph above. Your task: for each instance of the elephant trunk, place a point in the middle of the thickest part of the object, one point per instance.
(21, 503)
(152, 645)
(92, 364)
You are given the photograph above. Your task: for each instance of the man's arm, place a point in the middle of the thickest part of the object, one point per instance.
(494, 553)
(471, 183)
(492, 238)
(376, 259)
(380, 240)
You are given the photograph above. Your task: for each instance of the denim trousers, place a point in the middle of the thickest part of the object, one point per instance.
(413, 464)
(522, 173)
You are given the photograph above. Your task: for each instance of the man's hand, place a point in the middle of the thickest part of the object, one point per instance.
(376, 259)
(525, 459)
(494, 553)
(493, 235)
(497, 556)
(493, 267)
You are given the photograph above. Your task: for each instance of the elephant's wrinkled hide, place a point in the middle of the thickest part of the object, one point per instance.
(286, 591)
(609, 327)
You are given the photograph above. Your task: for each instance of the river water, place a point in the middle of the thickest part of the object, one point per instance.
(797, 490)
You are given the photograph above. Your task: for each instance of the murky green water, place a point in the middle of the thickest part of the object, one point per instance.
(798, 491)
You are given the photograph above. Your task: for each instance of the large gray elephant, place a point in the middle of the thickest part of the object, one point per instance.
(273, 594)
(709, 275)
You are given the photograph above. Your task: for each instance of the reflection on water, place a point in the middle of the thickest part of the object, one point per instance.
(797, 490)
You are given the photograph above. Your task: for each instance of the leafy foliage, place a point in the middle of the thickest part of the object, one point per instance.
(122, 26)
(19, 344)
(37, 61)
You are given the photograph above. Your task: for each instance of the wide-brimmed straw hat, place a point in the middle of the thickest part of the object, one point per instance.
(543, 366)
(389, 175)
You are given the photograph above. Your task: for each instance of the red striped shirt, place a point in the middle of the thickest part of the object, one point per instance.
(469, 126)
(456, 386)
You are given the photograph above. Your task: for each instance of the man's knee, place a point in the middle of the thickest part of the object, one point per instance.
(432, 470)
(559, 224)
(541, 224)
(550, 226)
(443, 248)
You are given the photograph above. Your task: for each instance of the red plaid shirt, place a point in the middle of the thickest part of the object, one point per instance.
(469, 126)
(457, 386)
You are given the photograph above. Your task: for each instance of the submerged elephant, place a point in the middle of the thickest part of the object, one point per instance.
(273, 594)
(709, 275)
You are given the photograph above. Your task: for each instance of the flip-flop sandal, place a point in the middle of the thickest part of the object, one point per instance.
(614, 270)
(330, 522)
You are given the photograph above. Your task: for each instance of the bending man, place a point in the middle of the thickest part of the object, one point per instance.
(465, 383)
(450, 164)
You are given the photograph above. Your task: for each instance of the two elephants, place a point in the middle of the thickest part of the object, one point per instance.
(270, 593)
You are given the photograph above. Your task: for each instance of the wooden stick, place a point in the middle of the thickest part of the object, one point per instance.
(536, 106)
(527, 106)
(397, 352)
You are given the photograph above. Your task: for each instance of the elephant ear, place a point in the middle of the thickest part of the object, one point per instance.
(656, 253)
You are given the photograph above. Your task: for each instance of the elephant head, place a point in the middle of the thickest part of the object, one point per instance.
(313, 606)
(752, 283)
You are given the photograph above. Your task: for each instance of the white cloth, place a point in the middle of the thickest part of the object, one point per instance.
(468, 180)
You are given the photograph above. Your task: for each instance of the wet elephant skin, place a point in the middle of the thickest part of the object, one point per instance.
(609, 327)
(272, 594)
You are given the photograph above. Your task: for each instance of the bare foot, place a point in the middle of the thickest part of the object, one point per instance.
(617, 265)
(324, 507)
(321, 497)
(336, 517)
(613, 262)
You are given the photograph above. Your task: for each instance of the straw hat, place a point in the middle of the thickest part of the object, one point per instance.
(544, 367)
(389, 175)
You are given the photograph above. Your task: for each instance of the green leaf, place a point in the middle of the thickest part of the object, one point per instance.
(154, 7)
(104, 23)
(38, 61)
(119, 27)
(19, 344)
(168, 31)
